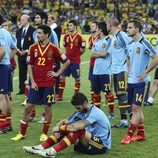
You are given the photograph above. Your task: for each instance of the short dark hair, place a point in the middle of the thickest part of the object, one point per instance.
(95, 22)
(78, 99)
(43, 15)
(1, 19)
(137, 24)
(103, 27)
(73, 22)
(46, 29)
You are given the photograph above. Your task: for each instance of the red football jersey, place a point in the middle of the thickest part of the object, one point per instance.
(73, 45)
(91, 41)
(43, 60)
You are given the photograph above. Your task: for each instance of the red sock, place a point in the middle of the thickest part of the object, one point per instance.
(131, 129)
(26, 90)
(110, 100)
(97, 100)
(50, 141)
(68, 140)
(8, 119)
(45, 127)
(77, 85)
(23, 128)
(33, 113)
(2, 121)
(92, 93)
(140, 129)
(43, 114)
(61, 88)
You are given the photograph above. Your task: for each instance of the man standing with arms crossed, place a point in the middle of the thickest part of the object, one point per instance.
(119, 41)
(139, 53)
(41, 58)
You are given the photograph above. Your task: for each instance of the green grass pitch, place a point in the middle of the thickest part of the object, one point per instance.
(145, 149)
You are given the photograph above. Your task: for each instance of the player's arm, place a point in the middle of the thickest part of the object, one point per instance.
(76, 126)
(97, 54)
(152, 65)
(62, 68)
(82, 50)
(128, 64)
(2, 52)
(33, 83)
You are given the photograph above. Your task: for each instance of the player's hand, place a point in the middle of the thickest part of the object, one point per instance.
(55, 129)
(141, 78)
(34, 86)
(52, 74)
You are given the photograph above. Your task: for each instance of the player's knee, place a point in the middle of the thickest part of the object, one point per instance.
(136, 109)
(28, 109)
(122, 99)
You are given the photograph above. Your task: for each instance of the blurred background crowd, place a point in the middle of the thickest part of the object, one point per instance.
(84, 11)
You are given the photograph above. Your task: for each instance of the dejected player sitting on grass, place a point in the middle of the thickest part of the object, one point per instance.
(88, 128)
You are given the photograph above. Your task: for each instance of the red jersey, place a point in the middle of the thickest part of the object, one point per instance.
(73, 45)
(43, 60)
(91, 41)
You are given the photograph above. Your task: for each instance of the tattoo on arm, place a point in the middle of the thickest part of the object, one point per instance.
(86, 123)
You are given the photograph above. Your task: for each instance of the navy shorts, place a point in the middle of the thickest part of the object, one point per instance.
(90, 76)
(101, 83)
(120, 83)
(45, 96)
(73, 69)
(95, 146)
(5, 79)
(136, 93)
(156, 74)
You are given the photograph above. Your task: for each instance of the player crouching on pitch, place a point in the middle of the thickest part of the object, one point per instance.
(88, 128)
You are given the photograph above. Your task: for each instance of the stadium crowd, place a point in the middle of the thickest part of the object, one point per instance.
(122, 59)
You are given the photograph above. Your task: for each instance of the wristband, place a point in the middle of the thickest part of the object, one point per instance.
(63, 128)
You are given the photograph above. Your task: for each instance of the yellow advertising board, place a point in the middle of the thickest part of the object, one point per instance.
(151, 38)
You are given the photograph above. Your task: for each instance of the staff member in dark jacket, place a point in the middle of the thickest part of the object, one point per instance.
(24, 37)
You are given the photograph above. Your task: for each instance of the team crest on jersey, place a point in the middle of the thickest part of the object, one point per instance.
(138, 50)
(50, 54)
(115, 43)
(103, 45)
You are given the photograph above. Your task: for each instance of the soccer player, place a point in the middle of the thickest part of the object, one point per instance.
(139, 53)
(102, 69)
(155, 83)
(88, 128)
(5, 25)
(119, 41)
(92, 39)
(41, 18)
(41, 58)
(6, 45)
(154, 88)
(75, 47)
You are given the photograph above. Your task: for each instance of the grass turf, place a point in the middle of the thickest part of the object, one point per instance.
(145, 149)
